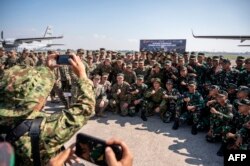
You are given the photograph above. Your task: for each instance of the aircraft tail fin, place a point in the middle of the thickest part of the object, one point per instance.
(48, 32)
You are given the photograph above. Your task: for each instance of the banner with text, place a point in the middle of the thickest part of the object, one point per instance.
(178, 45)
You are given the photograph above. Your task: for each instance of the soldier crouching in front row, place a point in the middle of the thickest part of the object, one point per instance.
(136, 92)
(153, 102)
(192, 104)
(100, 96)
(171, 96)
(120, 98)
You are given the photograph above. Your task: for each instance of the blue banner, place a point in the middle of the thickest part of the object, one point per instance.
(177, 45)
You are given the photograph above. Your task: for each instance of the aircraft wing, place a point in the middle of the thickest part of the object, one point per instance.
(241, 38)
(244, 45)
(49, 45)
(39, 39)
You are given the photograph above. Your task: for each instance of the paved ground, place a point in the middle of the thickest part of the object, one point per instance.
(154, 143)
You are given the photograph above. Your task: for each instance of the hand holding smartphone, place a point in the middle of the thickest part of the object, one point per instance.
(93, 149)
(63, 59)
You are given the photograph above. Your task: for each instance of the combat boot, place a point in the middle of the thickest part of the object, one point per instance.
(194, 129)
(143, 116)
(222, 149)
(176, 124)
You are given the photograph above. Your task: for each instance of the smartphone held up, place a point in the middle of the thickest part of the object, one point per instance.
(93, 149)
(63, 59)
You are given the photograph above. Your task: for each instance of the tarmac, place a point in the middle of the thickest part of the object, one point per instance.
(153, 143)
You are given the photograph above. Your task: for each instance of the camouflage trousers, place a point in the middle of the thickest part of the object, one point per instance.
(170, 110)
(149, 108)
(219, 129)
(189, 115)
(133, 109)
(100, 109)
(118, 107)
(56, 90)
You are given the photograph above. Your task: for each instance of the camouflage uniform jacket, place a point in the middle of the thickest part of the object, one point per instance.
(124, 95)
(23, 92)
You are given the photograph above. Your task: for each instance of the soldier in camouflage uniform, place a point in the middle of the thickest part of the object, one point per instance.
(169, 72)
(171, 96)
(154, 73)
(25, 59)
(245, 74)
(240, 63)
(120, 96)
(137, 90)
(182, 81)
(100, 96)
(129, 74)
(142, 70)
(193, 103)
(11, 60)
(228, 74)
(2, 61)
(41, 59)
(238, 134)
(220, 119)
(153, 100)
(213, 74)
(23, 92)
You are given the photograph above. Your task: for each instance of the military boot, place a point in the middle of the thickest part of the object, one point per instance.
(176, 124)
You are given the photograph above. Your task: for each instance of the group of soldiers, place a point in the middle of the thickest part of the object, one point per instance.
(208, 93)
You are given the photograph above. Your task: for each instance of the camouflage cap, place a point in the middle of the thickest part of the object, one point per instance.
(156, 80)
(216, 58)
(168, 62)
(215, 87)
(232, 86)
(120, 75)
(2, 49)
(222, 93)
(191, 83)
(80, 51)
(105, 74)
(140, 77)
(240, 58)
(244, 89)
(169, 81)
(244, 102)
(247, 61)
(129, 65)
(24, 90)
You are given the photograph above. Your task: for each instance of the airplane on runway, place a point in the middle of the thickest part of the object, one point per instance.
(242, 38)
(34, 43)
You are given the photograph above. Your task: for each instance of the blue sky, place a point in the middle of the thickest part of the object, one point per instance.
(120, 24)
